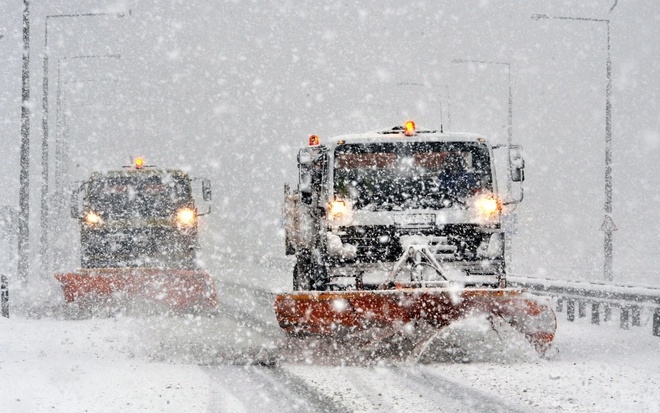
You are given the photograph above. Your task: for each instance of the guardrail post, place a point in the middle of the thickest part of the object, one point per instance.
(636, 316)
(4, 296)
(595, 314)
(582, 309)
(629, 303)
(624, 318)
(607, 316)
(570, 310)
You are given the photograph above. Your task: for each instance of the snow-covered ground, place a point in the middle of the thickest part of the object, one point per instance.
(133, 363)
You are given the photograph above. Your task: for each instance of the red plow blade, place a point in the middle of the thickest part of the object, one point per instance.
(178, 289)
(332, 312)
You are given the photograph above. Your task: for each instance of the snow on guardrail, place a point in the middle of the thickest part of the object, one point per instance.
(632, 301)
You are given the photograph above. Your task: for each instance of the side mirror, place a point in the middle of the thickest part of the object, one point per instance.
(75, 199)
(206, 189)
(311, 163)
(305, 157)
(305, 187)
(305, 160)
(517, 175)
(517, 163)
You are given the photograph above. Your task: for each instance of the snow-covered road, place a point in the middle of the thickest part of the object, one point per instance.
(239, 361)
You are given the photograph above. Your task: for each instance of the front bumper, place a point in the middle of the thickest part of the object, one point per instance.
(469, 247)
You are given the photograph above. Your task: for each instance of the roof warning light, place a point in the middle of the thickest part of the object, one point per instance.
(409, 128)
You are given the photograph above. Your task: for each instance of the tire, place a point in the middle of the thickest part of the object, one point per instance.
(501, 275)
(188, 261)
(87, 261)
(302, 280)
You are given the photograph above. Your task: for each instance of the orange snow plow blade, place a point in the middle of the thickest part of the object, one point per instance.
(177, 289)
(331, 312)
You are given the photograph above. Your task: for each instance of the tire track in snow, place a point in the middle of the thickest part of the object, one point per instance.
(382, 389)
(249, 388)
(254, 388)
(444, 392)
(282, 388)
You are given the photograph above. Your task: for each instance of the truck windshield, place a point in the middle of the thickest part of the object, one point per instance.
(138, 196)
(411, 175)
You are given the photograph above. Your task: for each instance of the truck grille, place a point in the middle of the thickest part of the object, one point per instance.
(381, 243)
(120, 247)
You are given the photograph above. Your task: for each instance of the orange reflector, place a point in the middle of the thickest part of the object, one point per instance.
(409, 128)
(314, 140)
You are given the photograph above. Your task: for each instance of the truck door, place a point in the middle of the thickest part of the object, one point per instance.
(313, 176)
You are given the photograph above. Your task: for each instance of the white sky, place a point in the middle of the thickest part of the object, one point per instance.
(230, 90)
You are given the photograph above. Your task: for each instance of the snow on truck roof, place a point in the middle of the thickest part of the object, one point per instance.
(138, 168)
(129, 171)
(399, 133)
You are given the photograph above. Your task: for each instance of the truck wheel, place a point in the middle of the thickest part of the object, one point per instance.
(309, 274)
(501, 276)
(289, 247)
(318, 272)
(189, 260)
(87, 261)
(302, 280)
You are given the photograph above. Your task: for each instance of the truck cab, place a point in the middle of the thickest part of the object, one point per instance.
(362, 199)
(139, 216)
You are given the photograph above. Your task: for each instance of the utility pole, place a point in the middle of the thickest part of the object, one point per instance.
(4, 284)
(607, 226)
(60, 196)
(24, 191)
(43, 240)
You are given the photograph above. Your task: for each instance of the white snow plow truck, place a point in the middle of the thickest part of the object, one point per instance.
(139, 239)
(399, 227)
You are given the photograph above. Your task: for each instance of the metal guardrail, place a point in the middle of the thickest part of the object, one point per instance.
(4, 296)
(631, 300)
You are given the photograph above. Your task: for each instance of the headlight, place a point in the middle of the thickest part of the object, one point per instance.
(339, 213)
(487, 206)
(338, 208)
(186, 216)
(92, 218)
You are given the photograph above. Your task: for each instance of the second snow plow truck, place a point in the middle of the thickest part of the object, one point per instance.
(399, 228)
(139, 239)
